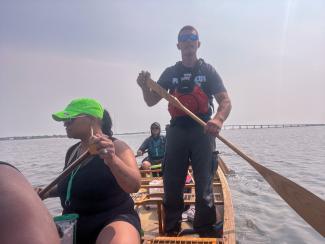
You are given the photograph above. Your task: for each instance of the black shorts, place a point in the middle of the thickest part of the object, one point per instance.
(8, 164)
(89, 226)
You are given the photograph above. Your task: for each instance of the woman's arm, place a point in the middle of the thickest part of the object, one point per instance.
(119, 157)
(124, 167)
(24, 218)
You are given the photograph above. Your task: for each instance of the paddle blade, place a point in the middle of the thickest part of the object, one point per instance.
(309, 206)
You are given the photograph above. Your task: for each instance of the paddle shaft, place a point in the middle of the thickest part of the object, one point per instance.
(309, 206)
(64, 174)
(145, 151)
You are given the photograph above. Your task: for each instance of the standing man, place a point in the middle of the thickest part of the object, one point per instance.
(195, 83)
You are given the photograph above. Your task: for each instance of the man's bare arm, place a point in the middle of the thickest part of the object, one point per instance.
(224, 107)
(150, 97)
(214, 125)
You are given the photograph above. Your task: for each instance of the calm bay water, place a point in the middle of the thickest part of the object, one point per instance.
(261, 215)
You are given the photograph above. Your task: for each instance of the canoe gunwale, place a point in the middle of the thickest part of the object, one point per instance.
(229, 234)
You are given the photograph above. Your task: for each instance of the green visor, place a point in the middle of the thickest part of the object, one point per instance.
(80, 106)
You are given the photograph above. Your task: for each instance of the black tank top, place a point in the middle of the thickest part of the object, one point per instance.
(94, 189)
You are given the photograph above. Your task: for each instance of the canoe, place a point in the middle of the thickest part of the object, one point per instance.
(148, 203)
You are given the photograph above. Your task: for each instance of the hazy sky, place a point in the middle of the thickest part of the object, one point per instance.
(270, 54)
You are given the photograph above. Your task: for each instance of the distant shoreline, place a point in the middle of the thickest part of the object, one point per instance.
(12, 138)
(225, 127)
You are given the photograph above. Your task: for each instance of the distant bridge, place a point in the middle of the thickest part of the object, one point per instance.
(266, 126)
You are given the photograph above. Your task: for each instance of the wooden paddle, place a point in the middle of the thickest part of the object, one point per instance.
(90, 151)
(64, 174)
(309, 206)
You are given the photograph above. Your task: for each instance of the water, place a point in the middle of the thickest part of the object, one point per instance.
(261, 215)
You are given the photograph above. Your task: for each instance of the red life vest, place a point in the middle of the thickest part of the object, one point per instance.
(189, 93)
(196, 101)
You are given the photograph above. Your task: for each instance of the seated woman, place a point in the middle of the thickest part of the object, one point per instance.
(99, 189)
(155, 145)
(23, 216)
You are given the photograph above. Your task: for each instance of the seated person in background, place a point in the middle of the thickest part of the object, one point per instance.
(99, 189)
(155, 144)
(23, 216)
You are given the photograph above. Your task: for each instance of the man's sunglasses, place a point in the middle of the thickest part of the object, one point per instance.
(188, 37)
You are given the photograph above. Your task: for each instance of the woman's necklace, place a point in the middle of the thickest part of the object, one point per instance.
(80, 150)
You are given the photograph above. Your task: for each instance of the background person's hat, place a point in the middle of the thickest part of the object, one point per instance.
(155, 124)
(79, 106)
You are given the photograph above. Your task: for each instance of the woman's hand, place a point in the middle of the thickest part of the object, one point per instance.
(119, 157)
(104, 146)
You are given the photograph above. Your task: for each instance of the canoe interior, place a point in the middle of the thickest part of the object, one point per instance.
(148, 202)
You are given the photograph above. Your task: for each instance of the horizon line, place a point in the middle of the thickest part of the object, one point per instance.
(224, 127)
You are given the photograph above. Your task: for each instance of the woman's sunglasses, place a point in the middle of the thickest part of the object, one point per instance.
(71, 120)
